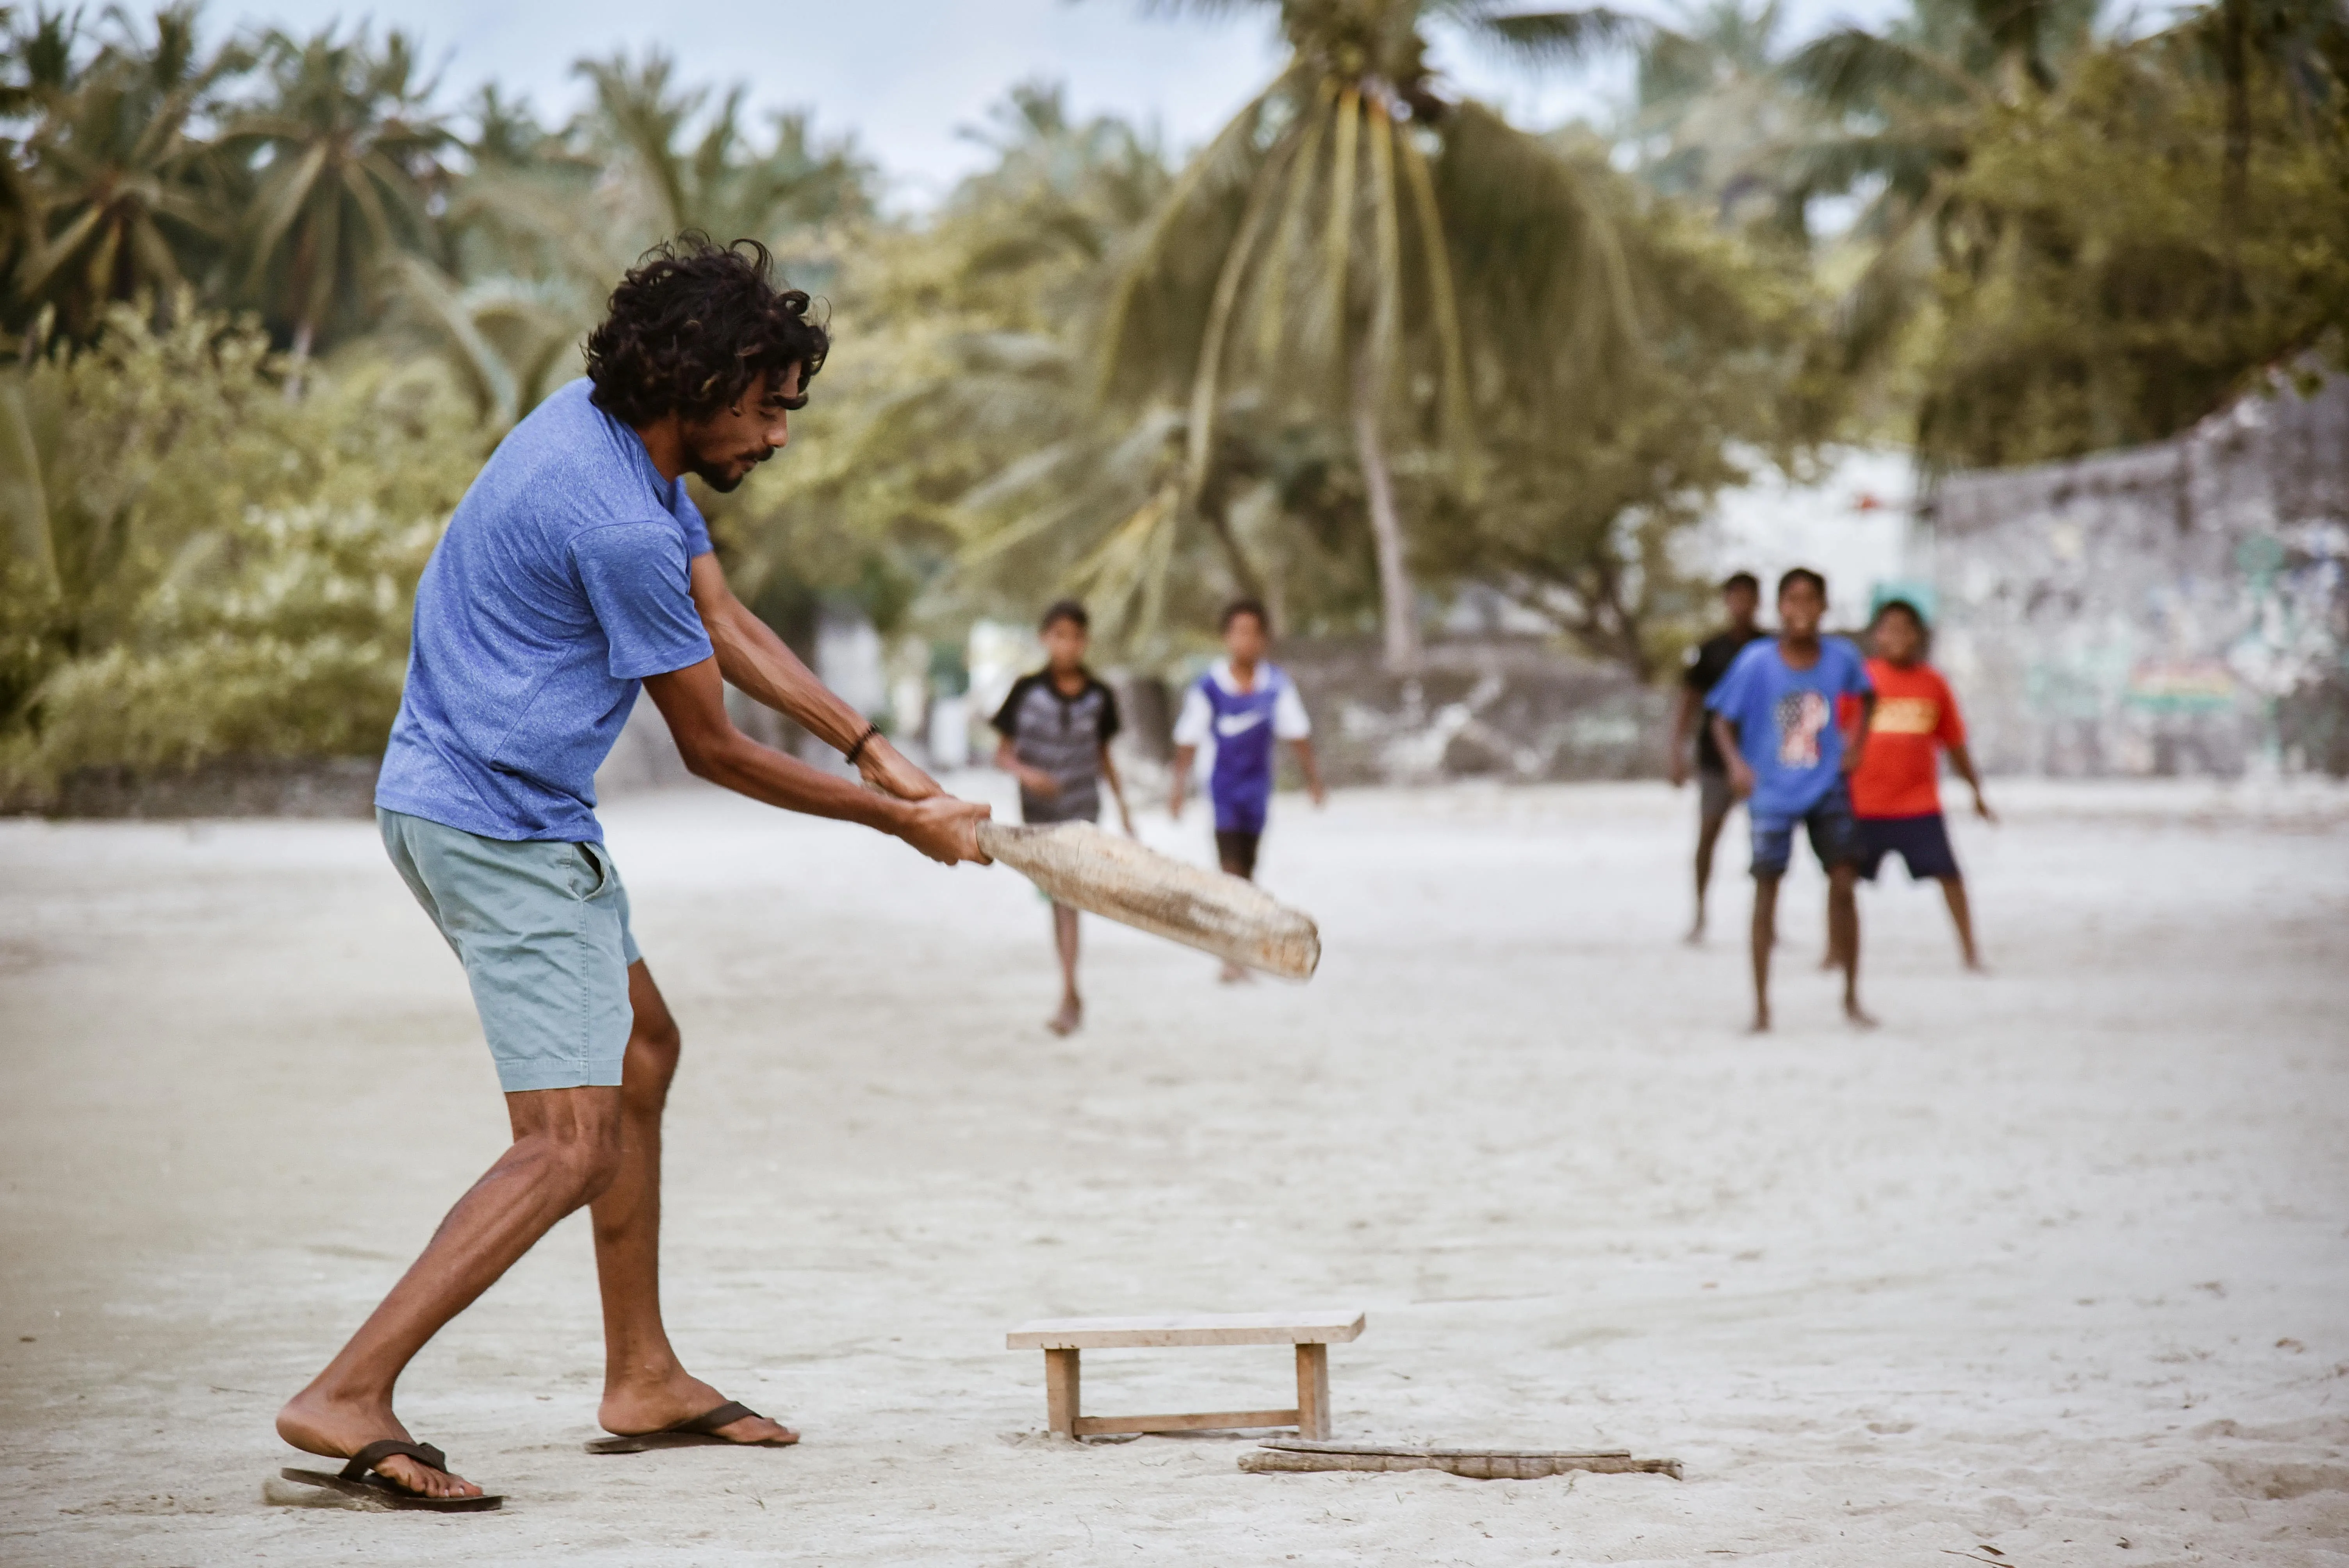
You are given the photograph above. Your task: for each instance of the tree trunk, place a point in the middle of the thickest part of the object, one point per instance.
(1398, 600)
(302, 337)
(1212, 511)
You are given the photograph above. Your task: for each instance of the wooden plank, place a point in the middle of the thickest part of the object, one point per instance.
(1215, 1421)
(1303, 1444)
(1275, 1457)
(1313, 1390)
(1315, 1327)
(1062, 1384)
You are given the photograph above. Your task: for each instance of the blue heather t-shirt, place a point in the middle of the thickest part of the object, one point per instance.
(1786, 720)
(562, 581)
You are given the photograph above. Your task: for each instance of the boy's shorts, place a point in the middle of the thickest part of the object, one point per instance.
(1834, 838)
(1245, 815)
(1921, 842)
(542, 928)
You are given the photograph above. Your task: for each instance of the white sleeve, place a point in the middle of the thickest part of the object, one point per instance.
(1194, 726)
(1288, 719)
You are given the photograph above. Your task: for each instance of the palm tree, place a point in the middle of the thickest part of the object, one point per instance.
(349, 158)
(2303, 44)
(1907, 106)
(1356, 244)
(1714, 112)
(114, 199)
(965, 431)
(721, 183)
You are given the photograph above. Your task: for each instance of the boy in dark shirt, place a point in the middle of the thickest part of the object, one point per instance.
(1741, 596)
(1057, 725)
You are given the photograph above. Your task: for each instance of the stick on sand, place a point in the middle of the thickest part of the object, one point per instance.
(1079, 864)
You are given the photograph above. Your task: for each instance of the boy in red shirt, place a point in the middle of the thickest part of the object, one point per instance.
(1895, 793)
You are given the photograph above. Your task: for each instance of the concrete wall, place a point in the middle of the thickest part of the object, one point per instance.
(2180, 608)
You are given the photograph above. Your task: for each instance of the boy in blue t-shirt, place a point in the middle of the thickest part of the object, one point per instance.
(1775, 719)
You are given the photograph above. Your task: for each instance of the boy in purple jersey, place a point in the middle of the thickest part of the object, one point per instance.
(1241, 707)
(1774, 716)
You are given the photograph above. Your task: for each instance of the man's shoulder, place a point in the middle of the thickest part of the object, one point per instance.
(563, 464)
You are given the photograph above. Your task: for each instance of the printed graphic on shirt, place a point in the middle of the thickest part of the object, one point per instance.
(1238, 723)
(1801, 715)
(1906, 715)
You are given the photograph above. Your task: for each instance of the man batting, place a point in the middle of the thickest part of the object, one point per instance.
(576, 569)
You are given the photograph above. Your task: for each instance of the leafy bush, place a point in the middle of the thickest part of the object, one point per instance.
(203, 568)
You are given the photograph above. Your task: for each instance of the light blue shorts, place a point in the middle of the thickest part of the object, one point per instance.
(542, 928)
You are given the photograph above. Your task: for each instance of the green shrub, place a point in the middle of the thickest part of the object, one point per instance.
(203, 569)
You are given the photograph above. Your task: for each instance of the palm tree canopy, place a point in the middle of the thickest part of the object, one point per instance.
(119, 202)
(347, 148)
(1312, 252)
(722, 181)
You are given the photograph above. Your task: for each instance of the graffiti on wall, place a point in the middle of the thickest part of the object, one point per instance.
(2181, 608)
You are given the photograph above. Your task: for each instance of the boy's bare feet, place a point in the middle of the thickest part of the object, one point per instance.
(1069, 1019)
(1855, 1016)
(1761, 1023)
(652, 1407)
(337, 1429)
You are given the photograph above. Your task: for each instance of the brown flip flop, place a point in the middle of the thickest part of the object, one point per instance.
(698, 1433)
(355, 1480)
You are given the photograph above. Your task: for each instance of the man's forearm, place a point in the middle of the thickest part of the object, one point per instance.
(737, 762)
(751, 656)
(1684, 709)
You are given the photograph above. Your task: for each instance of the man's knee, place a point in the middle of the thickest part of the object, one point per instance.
(657, 1037)
(654, 1048)
(577, 1149)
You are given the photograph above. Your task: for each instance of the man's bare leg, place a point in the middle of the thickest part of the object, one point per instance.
(1954, 889)
(1765, 936)
(565, 1150)
(1064, 940)
(646, 1388)
(1708, 834)
(1843, 936)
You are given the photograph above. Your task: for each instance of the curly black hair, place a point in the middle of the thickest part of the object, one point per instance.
(693, 324)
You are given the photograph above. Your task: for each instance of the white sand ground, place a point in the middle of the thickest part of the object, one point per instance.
(2055, 1264)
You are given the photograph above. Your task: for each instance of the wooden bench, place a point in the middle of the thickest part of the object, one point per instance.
(1063, 1339)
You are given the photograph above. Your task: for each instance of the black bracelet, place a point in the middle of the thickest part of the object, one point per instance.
(863, 741)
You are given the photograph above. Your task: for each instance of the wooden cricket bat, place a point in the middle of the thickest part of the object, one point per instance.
(1077, 863)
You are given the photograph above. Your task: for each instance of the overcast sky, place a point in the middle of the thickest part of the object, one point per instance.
(906, 75)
